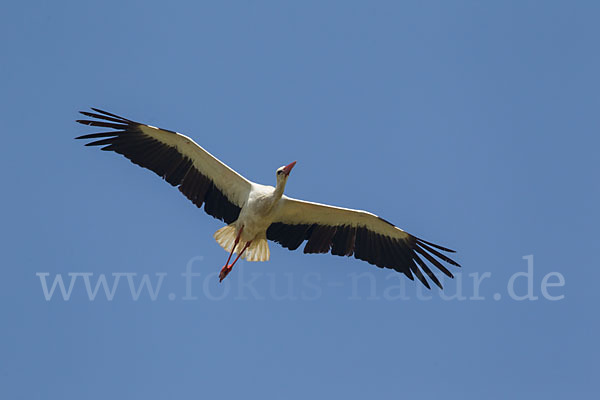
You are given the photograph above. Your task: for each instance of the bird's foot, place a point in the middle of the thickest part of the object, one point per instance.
(225, 271)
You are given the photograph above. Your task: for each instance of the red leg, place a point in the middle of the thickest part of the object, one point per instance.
(237, 240)
(227, 268)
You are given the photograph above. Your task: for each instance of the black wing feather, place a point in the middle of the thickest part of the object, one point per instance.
(177, 169)
(401, 255)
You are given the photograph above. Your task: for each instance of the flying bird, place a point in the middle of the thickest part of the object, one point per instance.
(256, 213)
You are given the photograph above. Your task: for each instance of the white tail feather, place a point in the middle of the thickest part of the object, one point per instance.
(257, 251)
(226, 237)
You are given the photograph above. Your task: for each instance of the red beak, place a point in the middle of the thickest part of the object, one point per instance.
(288, 168)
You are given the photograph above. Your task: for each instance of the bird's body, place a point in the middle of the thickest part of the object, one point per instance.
(256, 213)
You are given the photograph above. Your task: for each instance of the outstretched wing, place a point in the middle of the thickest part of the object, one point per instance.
(176, 158)
(345, 232)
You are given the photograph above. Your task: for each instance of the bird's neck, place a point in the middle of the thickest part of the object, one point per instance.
(270, 200)
(278, 192)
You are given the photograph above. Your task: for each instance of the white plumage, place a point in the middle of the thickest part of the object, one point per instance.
(255, 213)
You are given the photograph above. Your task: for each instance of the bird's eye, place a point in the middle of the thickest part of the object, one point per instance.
(279, 172)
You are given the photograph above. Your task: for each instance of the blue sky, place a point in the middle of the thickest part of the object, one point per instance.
(471, 124)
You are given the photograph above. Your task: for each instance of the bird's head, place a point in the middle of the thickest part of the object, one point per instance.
(284, 171)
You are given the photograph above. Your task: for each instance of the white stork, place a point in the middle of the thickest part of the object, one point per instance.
(256, 213)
